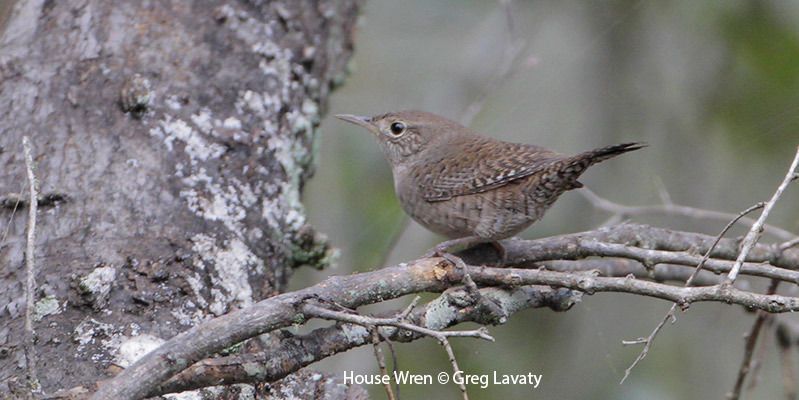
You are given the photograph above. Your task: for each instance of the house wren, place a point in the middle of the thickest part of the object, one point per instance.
(469, 187)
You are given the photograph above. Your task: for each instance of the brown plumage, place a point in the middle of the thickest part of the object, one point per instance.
(460, 184)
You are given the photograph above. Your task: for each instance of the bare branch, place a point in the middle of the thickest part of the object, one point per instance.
(653, 257)
(381, 361)
(30, 270)
(788, 244)
(621, 211)
(312, 310)
(634, 236)
(436, 275)
(683, 296)
(297, 351)
(757, 360)
(454, 362)
(749, 349)
(756, 231)
(14, 207)
(398, 322)
(394, 364)
(751, 341)
(670, 315)
(621, 267)
(785, 344)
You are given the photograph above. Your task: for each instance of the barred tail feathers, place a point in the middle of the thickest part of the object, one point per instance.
(574, 166)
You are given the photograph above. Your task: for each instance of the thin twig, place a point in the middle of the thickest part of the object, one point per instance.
(788, 244)
(649, 258)
(757, 360)
(671, 316)
(394, 365)
(367, 321)
(620, 211)
(14, 209)
(298, 351)
(785, 344)
(381, 362)
(454, 362)
(751, 341)
(373, 322)
(650, 246)
(407, 311)
(756, 231)
(30, 271)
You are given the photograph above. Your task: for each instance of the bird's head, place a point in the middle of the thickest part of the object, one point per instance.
(404, 134)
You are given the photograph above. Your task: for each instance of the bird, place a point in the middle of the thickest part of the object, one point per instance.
(471, 188)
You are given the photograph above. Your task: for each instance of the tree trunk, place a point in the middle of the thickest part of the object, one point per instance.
(172, 140)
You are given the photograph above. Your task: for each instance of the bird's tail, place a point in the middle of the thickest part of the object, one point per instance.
(604, 153)
(574, 166)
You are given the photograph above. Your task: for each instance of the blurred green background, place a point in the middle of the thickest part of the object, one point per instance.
(712, 86)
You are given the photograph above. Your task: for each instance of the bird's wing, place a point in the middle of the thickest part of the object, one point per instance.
(482, 164)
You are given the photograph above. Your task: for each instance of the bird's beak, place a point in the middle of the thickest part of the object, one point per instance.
(365, 122)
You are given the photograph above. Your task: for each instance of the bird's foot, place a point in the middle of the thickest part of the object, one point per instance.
(502, 254)
(456, 262)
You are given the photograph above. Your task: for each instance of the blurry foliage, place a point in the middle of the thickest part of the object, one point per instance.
(758, 100)
(710, 85)
(373, 211)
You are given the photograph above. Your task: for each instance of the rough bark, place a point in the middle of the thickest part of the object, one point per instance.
(172, 140)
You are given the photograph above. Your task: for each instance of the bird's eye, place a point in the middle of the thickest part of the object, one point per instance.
(397, 128)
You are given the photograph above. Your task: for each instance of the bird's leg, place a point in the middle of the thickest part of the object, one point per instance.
(487, 306)
(464, 243)
(501, 253)
(454, 246)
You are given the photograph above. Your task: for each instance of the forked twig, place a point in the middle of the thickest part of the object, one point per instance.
(749, 348)
(399, 322)
(647, 342)
(621, 211)
(756, 231)
(381, 362)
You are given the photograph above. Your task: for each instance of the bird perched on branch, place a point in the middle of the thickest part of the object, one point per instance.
(468, 187)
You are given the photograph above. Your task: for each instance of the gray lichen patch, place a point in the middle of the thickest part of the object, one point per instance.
(96, 286)
(196, 146)
(46, 306)
(106, 343)
(97, 340)
(232, 262)
(133, 348)
(291, 137)
(354, 333)
(241, 163)
(215, 200)
(254, 369)
(239, 391)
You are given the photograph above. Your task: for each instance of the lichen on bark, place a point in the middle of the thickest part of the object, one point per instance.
(182, 134)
